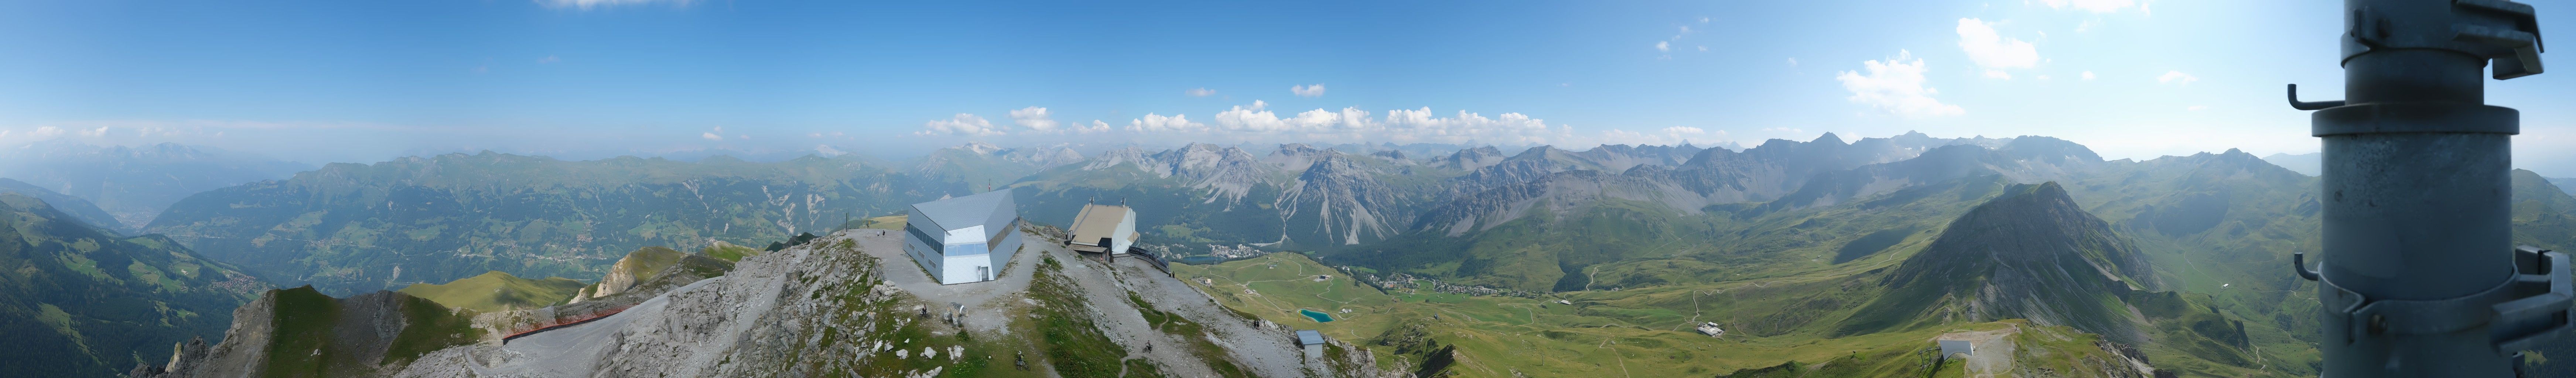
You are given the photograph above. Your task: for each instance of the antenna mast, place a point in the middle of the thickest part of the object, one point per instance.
(2420, 276)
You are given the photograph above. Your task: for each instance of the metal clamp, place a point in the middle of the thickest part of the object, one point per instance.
(2542, 314)
(2529, 309)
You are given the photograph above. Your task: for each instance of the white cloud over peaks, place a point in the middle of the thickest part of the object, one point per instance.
(1316, 90)
(1199, 92)
(588, 4)
(961, 124)
(2176, 78)
(1897, 87)
(710, 136)
(1663, 46)
(1258, 122)
(1034, 118)
(1096, 126)
(2095, 6)
(1679, 130)
(1993, 51)
(43, 132)
(1157, 123)
(98, 132)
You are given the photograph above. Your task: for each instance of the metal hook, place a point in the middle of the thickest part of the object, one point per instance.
(2299, 262)
(2296, 104)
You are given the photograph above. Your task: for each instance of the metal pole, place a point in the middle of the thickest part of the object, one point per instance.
(2420, 277)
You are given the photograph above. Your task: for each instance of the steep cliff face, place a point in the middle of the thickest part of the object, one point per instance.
(1342, 202)
(2031, 253)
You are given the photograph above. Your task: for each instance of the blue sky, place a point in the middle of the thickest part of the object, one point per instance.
(364, 81)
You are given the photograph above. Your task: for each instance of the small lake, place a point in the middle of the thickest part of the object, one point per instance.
(1319, 317)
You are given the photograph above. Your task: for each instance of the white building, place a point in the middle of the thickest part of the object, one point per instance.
(1710, 329)
(1103, 228)
(964, 239)
(1313, 342)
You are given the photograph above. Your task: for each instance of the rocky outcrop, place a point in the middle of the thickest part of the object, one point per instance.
(635, 268)
(300, 332)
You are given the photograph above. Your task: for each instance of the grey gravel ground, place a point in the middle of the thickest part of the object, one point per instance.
(690, 330)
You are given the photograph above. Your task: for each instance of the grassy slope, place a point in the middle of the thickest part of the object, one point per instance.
(497, 291)
(78, 301)
(306, 343)
(1497, 336)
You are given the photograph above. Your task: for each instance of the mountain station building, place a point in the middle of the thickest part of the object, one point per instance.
(964, 239)
(1103, 229)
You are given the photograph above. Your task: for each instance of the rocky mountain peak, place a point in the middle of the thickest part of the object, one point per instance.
(2032, 253)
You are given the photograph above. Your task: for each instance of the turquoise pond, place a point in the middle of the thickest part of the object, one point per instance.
(1318, 316)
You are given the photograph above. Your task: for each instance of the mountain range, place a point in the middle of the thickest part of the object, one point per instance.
(2179, 256)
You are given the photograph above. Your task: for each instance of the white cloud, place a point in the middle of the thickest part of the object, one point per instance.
(549, 59)
(1157, 123)
(1896, 86)
(1993, 51)
(1199, 92)
(1679, 130)
(2176, 78)
(1316, 90)
(2095, 6)
(43, 132)
(1034, 118)
(1663, 46)
(1703, 20)
(1258, 122)
(589, 4)
(961, 124)
(828, 151)
(98, 132)
(2088, 75)
(2043, 77)
(711, 136)
(1703, 48)
(1793, 62)
(742, 136)
(1998, 74)
(1096, 126)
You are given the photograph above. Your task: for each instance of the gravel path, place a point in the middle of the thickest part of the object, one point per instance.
(1994, 351)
